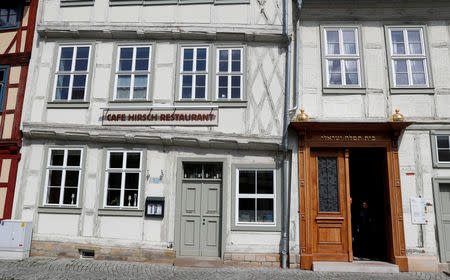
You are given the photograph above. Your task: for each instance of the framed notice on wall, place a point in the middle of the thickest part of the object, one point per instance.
(418, 210)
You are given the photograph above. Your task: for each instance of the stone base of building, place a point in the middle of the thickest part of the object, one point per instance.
(423, 263)
(251, 260)
(116, 253)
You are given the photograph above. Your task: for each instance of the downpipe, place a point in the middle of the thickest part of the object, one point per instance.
(285, 196)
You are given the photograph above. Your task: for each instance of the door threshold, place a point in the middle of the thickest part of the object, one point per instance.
(356, 266)
(198, 262)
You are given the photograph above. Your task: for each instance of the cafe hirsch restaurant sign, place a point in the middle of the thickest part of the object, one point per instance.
(162, 116)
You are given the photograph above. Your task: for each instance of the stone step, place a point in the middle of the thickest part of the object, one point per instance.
(198, 262)
(357, 266)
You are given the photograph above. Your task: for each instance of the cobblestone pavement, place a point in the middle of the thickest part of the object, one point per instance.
(56, 268)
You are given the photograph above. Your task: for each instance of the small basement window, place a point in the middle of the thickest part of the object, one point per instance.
(86, 253)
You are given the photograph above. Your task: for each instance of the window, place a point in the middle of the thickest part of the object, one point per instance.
(342, 57)
(408, 57)
(132, 73)
(255, 197)
(123, 179)
(3, 85)
(229, 73)
(443, 148)
(72, 73)
(194, 73)
(69, 3)
(63, 177)
(10, 14)
(175, 2)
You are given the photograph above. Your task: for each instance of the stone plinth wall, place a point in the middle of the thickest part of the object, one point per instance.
(116, 253)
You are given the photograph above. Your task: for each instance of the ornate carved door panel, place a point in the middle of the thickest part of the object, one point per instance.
(330, 197)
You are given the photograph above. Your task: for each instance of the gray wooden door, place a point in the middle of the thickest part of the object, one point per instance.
(200, 219)
(443, 220)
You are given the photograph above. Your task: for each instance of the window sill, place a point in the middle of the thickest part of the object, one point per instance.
(412, 90)
(58, 210)
(441, 164)
(121, 212)
(256, 228)
(344, 90)
(67, 105)
(221, 104)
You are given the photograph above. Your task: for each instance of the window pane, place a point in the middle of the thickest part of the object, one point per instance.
(200, 92)
(132, 181)
(246, 210)
(124, 80)
(53, 195)
(401, 79)
(443, 142)
(57, 158)
(188, 53)
(397, 36)
(236, 66)
(83, 52)
(115, 160)
(351, 66)
(140, 81)
(265, 210)
(332, 36)
(350, 48)
(223, 66)
(131, 198)
(201, 53)
(65, 65)
(81, 64)
(418, 79)
(236, 81)
(187, 65)
(125, 64)
(142, 65)
(415, 48)
(247, 182)
(201, 65)
(140, 93)
(200, 80)
(333, 48)
(417, 66)
(78, 93)
(223, 55)
(133, 160)
(328, 184)
(223, 92)
(63, 81)
(351, 79)
(143, 52)
(79, 80)
(187, 92)
(123, 93)
(114, 180)
(126, 53)
(348, 36)
(72, 178)
(444, 155)
(235, 92)
(414, 36)
(399, 48)
(113, 198)
(236, 54)
(55, 177)
(334, 66)
(62, 94)
(223, 81)
(67, 52)
(335, 79)
(265, 182)
(400, 66)
(70, 196)
(187, 80)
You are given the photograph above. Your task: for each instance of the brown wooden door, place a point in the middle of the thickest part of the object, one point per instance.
(330, 205)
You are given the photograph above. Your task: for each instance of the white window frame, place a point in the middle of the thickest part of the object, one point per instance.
(408, 57)
(122, 170)
(133, 72)
(256, 196)
(72, 73)
(437, 147)
(63, 168)
(194, 73)
(342, 57)
(229, 73)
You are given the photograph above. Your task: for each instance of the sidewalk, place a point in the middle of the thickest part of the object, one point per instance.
(56, 268)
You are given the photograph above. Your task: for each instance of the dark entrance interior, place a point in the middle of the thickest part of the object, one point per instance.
(368, 183)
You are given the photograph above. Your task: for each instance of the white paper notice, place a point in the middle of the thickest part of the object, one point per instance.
(418, 210)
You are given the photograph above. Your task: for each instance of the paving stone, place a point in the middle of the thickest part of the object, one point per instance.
(81, 269)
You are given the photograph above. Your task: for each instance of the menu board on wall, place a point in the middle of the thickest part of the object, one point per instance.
(418, 210)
